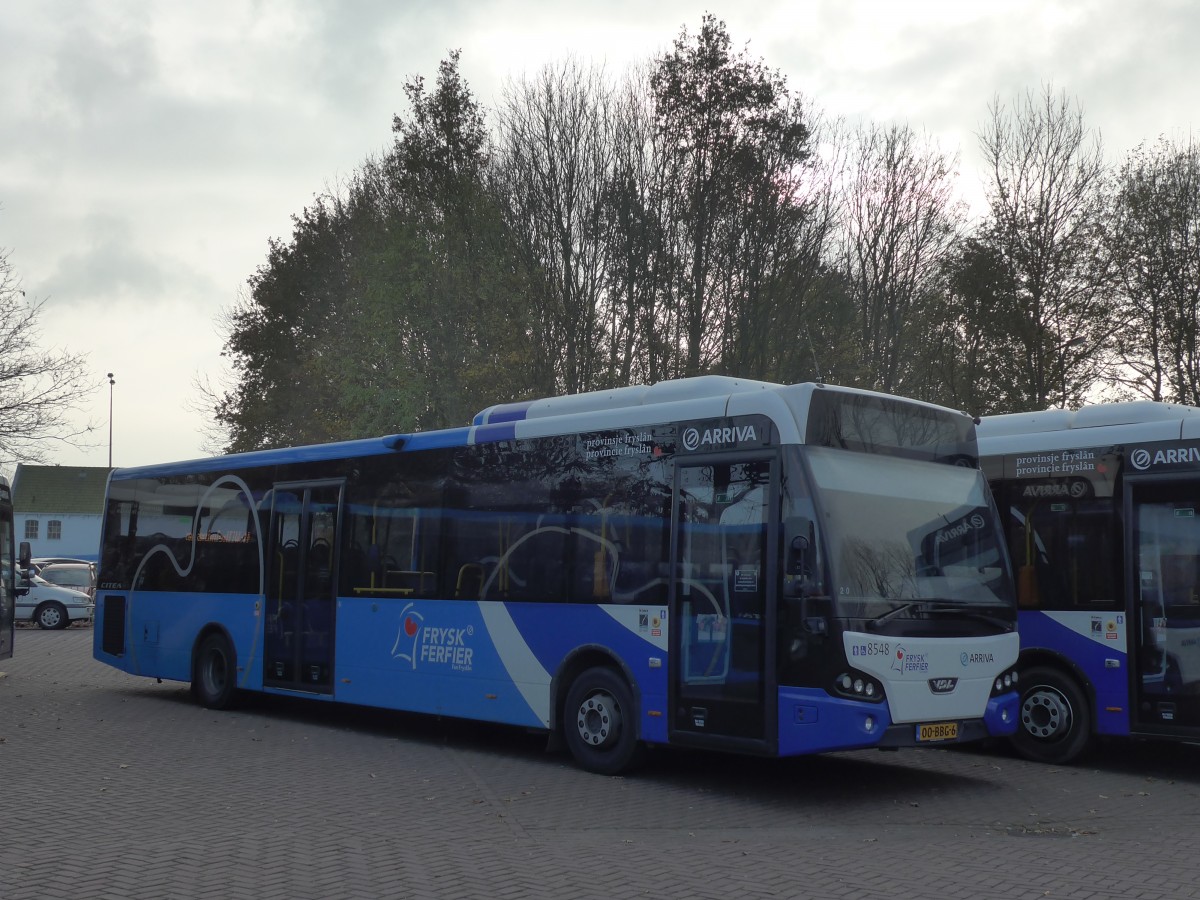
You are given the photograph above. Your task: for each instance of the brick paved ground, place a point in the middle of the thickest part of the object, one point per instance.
(117, 787)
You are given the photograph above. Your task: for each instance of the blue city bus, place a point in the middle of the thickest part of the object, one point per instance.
(1101, 514)
(708, 562)
(8, 590)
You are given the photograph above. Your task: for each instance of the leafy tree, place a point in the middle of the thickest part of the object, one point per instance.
(969, 350)
(731, 137)
(1154, 247)
(40, 388)
(396, 305)
(276, 336)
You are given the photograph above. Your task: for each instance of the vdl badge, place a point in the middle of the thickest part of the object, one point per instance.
(937, 731)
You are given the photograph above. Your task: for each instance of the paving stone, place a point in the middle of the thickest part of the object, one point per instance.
(119, 787)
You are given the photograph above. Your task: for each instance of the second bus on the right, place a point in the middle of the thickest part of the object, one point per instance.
(1101, 509)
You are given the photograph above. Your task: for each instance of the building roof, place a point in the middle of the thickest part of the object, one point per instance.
(59, 489)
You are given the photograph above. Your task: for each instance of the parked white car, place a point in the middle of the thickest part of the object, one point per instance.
(49, 605)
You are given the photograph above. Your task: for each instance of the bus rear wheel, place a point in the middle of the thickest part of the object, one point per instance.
(599, 722)
(1055, 720)
(214, 673)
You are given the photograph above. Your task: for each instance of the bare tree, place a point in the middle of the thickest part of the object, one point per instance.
(635, 226)
(1045, 196)
(1154, 247)
(556, 157)
(39, 389)
(901, 218)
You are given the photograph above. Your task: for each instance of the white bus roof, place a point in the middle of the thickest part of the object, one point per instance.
(1097, 425)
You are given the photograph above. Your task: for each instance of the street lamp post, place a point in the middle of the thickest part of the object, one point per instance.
(111, 382)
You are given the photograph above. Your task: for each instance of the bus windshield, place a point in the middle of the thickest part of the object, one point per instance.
(907, 539)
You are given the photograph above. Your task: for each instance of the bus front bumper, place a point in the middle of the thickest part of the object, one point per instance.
(813, 722)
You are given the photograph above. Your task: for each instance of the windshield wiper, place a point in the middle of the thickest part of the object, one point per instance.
(919, 605)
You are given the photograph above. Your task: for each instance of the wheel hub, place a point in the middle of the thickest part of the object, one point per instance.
(1046, 714)
(598, 720)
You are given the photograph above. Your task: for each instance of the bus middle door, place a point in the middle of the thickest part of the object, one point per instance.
(301, 593)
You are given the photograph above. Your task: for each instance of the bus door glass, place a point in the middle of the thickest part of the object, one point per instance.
(721, 597)
(301, 593)
(1165, 576)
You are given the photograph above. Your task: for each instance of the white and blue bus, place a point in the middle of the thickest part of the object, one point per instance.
(709, 562)
(1102, 512)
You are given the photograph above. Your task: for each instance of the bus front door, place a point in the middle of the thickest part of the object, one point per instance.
(1164, 627)
(722, 604)
(302, 587)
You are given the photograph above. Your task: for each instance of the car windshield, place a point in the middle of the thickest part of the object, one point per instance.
(907, 536)
(63, 575)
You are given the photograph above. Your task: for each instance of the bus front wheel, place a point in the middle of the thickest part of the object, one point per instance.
(1055, 720)
(214, 673)
(599, 723)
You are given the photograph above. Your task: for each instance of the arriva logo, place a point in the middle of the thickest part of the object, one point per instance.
(1142, 459)
(974, 523)
(694, 438)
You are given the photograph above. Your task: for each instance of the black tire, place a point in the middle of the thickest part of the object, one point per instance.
(600, 723)
(1055, 719)
(51, 616)
(214, 673)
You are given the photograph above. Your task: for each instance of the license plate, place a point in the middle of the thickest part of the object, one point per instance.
(938, 731)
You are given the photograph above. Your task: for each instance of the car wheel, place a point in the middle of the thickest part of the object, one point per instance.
(51, 616)
(214, 673)
(599, 723)
(1055, 719)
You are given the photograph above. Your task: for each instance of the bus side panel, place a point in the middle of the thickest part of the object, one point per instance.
(435, 656)
(161, 629)
(634, 635)
(1095, 641)
(490, 661)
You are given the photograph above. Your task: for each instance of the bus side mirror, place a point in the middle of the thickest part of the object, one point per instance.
(799, 534)
(21, 582)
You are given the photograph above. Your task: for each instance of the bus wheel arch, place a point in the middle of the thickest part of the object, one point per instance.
(598, 718)
(214, 669)
(1055, 716)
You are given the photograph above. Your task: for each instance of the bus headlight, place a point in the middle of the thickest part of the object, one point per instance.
(858, 686)
(1005, 682)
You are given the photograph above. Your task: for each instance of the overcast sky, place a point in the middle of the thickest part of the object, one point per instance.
(150, 150)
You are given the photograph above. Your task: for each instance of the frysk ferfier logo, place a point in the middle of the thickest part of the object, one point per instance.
(429, 645)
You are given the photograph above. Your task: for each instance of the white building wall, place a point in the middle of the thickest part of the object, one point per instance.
(80, 535)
